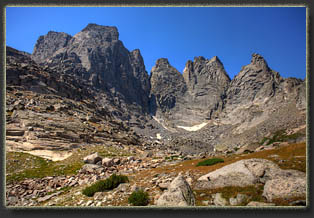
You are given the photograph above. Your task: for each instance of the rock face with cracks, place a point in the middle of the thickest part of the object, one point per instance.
(197, 111)
(278, 183)
(241, 173)
(293, 184)
(179, 193)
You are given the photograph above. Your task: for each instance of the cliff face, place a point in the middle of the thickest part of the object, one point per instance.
(257, 84)
(207, 82)
(216, 112)
(167, 87)
(254, 81)
(48, 44)
(202, 106)
(97, 56)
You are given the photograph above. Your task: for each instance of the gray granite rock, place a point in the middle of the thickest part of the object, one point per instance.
(179, 193)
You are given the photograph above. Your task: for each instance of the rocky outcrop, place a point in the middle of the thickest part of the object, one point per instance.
(179, 193)
(292, 184)
(254, 81)
(25, 74)
(201, 109)
(92, 158)
(167, 87)
(48, 44)
(98, 56)
(241, 173)
(207, 82)
(278, 183)
(191, 98)
(88, 90)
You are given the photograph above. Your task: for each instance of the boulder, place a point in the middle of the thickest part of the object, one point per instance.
(285, 187)
(91, 168)
(282, 174)
(249, 148)
(123, 187)
(278, 183)
(241, 173)
(93, 158)
(135, 187)
(239, 199)
(179, 193)
(219, 200)
(108, 162)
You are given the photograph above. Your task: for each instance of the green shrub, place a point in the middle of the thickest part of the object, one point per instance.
(263, 140)
(138, 198)
(103, 185)
(210, 162)
(281, 136)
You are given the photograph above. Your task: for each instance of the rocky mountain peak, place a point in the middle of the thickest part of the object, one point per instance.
(106, 32)
(254, 81)
(137, 53)
(199, 59)
(258, 60)
(215, 59)
(96, 55)
(137, 63)
(203, 73)
(162, 62)
(163, 70)
(48, 44)
(167, 86)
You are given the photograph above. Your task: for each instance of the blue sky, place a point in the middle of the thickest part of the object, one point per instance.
(180, 33)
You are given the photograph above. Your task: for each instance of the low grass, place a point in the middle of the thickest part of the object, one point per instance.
(293, 154)
(173, 157)
(210, 162)
(20, 166)
(253, 193)
(104, 185)
(281, 136)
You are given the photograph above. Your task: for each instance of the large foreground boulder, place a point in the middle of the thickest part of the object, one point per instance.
(179, 193)
(285, 187)
(279, 183)
(241, 173)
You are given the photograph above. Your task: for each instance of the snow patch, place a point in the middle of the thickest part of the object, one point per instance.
(193, 128)
(158, 136)
(50, 155)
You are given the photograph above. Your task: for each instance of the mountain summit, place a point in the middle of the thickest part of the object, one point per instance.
(96, 55)
(201, 109)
